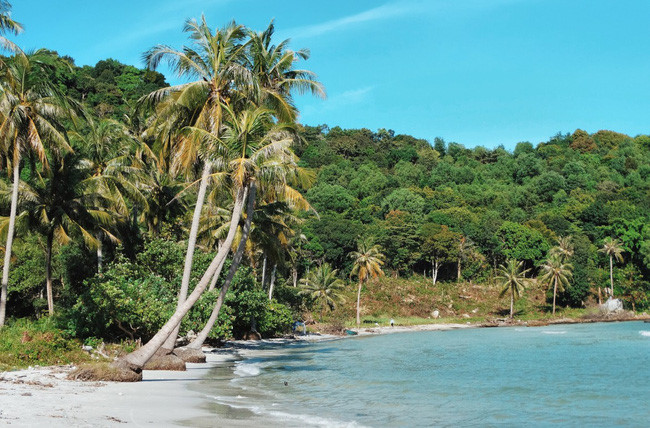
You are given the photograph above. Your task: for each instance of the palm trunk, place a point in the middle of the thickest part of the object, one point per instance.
(264, 271)
(10, 240)
(48, 273)
(611, 276)
(275, 266)
(100, 253)
(137, 359)
(294, 275)
(358, 304)
(215, 277)
(236, 261)
(554, 293)
(458, 273)
(512, 303)
(189, 255)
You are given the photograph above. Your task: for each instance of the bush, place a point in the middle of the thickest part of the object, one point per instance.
(27, 343)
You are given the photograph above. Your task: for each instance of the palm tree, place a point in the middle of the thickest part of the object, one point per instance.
(368, 260)
(563, 249)
(556, 274)
(109, 151)
(323, 286)
(30, 114)
(62, 205)
(215, 61)
(512, 277)
(614, 250)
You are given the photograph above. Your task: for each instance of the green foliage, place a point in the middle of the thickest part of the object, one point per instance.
(37, 343)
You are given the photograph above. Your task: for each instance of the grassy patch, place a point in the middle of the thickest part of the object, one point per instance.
(25, 343)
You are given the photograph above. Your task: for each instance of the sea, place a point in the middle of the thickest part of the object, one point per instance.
(578, 375)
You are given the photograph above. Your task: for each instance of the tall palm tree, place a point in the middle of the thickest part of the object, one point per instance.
(30, 122)
(368, 260)
(109, 150)
(614, 250)
(8, 25)
(512, 277)
(214, 60)
(324, 287)
(62, 205)
(556, 274)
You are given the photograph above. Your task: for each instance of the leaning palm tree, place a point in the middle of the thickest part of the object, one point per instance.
(215, 61)
(31, 114)
(556, 274)
(614, 250)
(512, 277)
(368, 260)
(323, 287)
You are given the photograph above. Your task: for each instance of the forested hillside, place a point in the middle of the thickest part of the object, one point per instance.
(437, 209)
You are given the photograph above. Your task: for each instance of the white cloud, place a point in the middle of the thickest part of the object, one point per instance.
(386, 11)
(342, 100)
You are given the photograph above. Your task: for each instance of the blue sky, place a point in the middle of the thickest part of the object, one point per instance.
(478, 72)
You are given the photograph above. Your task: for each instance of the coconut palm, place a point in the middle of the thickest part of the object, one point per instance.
(30, 123)
(556, 274)
(214, 60)
(368, 260)
(62, 205)
(512, 277)
(563, 249)
(614, 250)
(275, 76)
(324, 287)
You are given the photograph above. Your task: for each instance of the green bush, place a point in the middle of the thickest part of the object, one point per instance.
(26, 343)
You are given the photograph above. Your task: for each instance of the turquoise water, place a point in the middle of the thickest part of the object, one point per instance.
(564, 375)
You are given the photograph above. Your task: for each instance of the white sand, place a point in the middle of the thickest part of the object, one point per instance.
(43, 397)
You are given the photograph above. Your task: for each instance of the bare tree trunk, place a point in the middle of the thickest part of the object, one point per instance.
(600, 299)
(48, 273)
(10, 240)
(197, 343)
(137, 359)
(554, 293)
(275, 266)
(100, 253)
(358, 305)
(512, 302)
(611, 276)
(458, 274)
(189, 255)
(434, 272)
(294, 275)
(264, 271)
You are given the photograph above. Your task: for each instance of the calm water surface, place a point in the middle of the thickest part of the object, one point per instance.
(566, 375)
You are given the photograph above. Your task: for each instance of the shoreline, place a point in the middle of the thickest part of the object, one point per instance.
(42, 396)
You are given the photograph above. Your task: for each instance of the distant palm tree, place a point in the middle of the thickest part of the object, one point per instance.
(323, 286)
(613, 249)
(556, 274)
(563, 249)
(512, 277)
(368, 260)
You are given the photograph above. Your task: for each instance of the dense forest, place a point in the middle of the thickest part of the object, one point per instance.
(109, 185)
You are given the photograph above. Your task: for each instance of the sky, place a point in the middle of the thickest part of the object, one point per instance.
(476, 72)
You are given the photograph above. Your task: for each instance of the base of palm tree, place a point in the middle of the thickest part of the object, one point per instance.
(164, 360)
(108, 372)
(190, 355)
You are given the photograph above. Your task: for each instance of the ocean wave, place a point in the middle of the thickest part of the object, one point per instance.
(645, 333)
(248, 369)
(554, 332)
